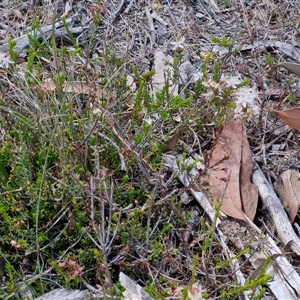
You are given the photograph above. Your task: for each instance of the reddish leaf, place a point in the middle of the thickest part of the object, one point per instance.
(230, 170)
(290, 117)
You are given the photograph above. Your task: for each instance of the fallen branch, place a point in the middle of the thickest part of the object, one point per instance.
(278, 215)
(60, 33)
(67, 294)
(132, 290)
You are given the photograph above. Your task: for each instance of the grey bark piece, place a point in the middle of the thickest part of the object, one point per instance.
(283, 47)
(66, 294)
(278, 46)
(133, 290)
(279, 217)
(60, 34)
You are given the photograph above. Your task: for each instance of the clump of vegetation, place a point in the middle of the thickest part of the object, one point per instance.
(83, 187)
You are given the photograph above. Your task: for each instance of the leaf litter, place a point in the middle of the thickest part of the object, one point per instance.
(230, 169)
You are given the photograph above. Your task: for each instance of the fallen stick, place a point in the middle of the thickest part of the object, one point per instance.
(278, 215)
(57, 28)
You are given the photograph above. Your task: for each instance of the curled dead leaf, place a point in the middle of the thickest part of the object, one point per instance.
(295, 68)
(75, 87)
(230, 168)
(290, 117)
(288, 190)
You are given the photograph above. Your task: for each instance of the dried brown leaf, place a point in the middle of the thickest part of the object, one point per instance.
(75, 87)
(288, 190)
(295, 68)
(230, 170)
(18, 14)
(249, 191)
(290, 117)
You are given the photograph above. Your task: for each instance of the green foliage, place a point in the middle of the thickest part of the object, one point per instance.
(249, 286)
(226, 3)
(269, 60)
(194, 265)
(70, 35)
(11, 48)
(184, 165)
(224, 41)
(211, 230)
(153, 292)
(165, 230)
(80, 175)
(292, 98)
(157, 249)
(224, 263)
(216, 75)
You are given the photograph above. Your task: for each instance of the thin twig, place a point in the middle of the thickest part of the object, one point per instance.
(118, 10)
